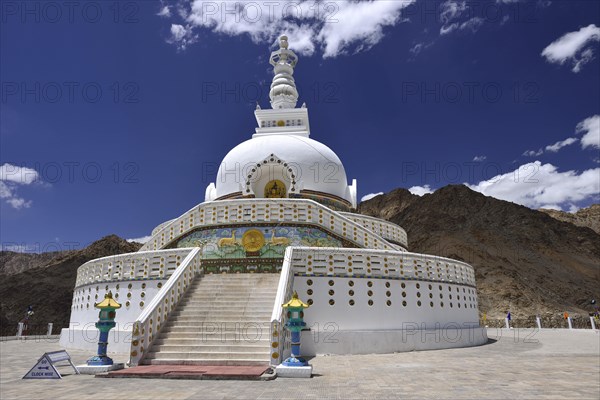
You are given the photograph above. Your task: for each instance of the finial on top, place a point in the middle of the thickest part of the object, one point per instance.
(283, 91)
(283, 42)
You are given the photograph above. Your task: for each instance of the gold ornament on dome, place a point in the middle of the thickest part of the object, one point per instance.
(253, 240)
(275, 189)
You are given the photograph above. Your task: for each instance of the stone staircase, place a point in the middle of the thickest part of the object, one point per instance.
(223, 320)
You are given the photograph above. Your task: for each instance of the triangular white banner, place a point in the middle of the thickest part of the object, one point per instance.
(43, 369)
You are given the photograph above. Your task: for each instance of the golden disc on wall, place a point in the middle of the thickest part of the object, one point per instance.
(253, 240)
(275, 189)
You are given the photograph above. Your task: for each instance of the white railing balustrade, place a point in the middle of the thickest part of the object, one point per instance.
(378, 264)
(387, 230)
(280, 340)
(130, 266)
(243, 211)
(147, 327)
(159, 227)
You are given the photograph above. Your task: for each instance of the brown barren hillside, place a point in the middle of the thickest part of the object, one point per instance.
(524, 259)
(587, 217)
(46, 282)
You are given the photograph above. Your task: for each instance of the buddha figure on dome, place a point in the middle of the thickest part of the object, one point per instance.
(275, 190)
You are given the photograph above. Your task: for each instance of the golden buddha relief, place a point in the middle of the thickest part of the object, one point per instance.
(275, 189)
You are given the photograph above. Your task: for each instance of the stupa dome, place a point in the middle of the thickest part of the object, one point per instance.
(301, 164)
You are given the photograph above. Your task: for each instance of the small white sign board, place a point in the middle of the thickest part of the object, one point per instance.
(44, 368)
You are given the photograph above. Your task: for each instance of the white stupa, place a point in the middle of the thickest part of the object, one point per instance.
(207, 288)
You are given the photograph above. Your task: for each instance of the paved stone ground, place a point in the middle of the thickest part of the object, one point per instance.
(521, 364)
(250, 372)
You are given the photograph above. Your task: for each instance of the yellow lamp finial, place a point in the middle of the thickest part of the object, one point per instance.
(295, 302)
(108, 302)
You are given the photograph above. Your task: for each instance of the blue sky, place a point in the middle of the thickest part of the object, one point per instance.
(115, 118)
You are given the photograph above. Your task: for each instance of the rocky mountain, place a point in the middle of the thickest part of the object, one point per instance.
(587, 217)
(46, 282)
(524, 260)
(13, 262)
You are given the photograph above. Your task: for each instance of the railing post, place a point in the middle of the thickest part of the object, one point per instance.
(49, 333)
(538, 321)
(593, 322)
(20, 329)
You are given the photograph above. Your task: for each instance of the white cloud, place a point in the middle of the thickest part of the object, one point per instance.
(539, 3)
(164, 12)
(451, 10)
(551, 207)
(553, 148)
(590, 127)
(446, 29)
(11, 176)
(420, 190)
(16, 174)
(538, 185)
(359, 23)
(178, 32)
(370, 196)
(479, 158)
(472, 24)
(19, 248)
(533, 153)
(572, 47)
(335, 27)
(182, 36)
(420, 47)
(142, 239)
(451, 14)
(417, 48)
(8, 194)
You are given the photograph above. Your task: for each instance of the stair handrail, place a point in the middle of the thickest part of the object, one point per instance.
(280, 342)
(147, 326)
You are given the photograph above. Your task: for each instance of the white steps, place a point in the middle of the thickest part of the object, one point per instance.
(223, 320)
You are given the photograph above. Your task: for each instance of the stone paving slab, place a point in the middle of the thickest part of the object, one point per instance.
(190, 372)
(516, 364)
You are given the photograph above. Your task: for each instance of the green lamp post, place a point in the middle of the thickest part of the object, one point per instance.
(295, 324)
(105, 323)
